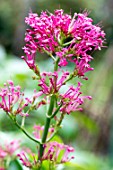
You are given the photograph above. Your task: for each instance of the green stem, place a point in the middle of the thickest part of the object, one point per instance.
(56, 64)
(58, 123)
(55, 69)
(52, 135)
(47, 125)
(37, 71)
(48, 116)
(23, 130)
(68, 43)
(61, 119)
(71, 76)
(41, 150)
(56, 111)
(23, 121)
(49, 54)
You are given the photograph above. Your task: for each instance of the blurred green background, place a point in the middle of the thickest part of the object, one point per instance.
(89, 132)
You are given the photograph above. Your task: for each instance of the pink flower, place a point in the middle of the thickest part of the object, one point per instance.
(12, 147)
(23, 158)
(3, 153)
(72, 99)
(70, 39)
(9, 149)
(28, 158)
(54, 83)
(11, 99)
(83, 66)
(38, 131)
(53, 150)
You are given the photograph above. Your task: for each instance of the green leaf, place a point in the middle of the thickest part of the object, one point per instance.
(14, 165)
(47, 165)
(74, 166)
(57, 139)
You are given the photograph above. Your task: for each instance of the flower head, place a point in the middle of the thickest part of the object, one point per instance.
(72, 99)
(9, 149)
(12, 147)
(53, 150)
(51, 83)
(12, 99)
(38, 131)
(59, 34)
(28, 158)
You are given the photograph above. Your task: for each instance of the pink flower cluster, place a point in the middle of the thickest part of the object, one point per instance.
(54, 82)
(9, 149)
(70, 39)
(27, 157)
(38, 131)
(11, 99)
(72, 99)
(53, 150)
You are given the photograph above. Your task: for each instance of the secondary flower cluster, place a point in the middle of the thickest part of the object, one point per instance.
(58, 34)
(27, 157)
(50, 83)
(53, 150)
(12, 100)
(8, 150)
(72, 99)
(38, 131)
(11, 96)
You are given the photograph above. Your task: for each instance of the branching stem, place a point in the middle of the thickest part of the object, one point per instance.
(23, 130)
